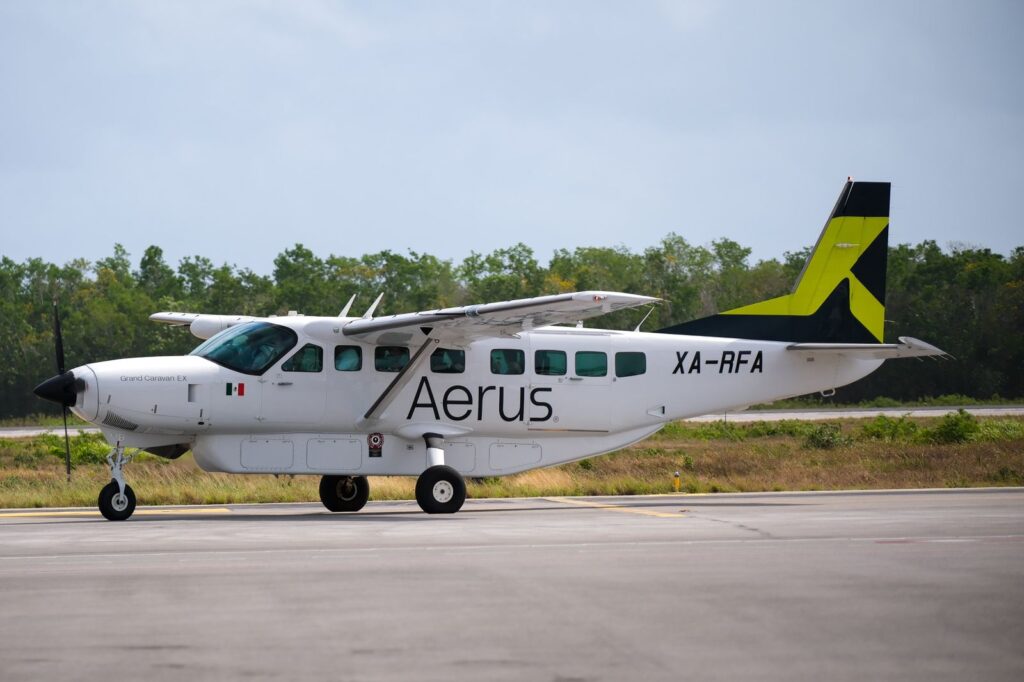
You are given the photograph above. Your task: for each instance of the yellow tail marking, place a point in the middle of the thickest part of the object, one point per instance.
(841, 244)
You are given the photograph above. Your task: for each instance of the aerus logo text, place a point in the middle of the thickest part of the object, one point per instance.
(458, 403)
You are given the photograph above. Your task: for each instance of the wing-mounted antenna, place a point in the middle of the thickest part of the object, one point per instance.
(373, 306)
(348, 306)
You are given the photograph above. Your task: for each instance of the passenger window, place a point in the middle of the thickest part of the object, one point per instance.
(390, 358)
(448, 361)
(507, 361)
(630, 364)
(309, 358)
(348, 358)
(550, 362)
(591, 364)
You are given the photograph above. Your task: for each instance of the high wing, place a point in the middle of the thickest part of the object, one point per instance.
(462, 325)
(456, 326)
(907, 348)
(201, 325)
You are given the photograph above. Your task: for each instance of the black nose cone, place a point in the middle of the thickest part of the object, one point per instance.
(61, 389)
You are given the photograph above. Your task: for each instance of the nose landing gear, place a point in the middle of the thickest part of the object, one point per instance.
(117, 499)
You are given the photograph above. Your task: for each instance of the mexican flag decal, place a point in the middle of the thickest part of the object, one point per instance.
(235, 389)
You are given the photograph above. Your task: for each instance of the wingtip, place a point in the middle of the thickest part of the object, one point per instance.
(173, 318)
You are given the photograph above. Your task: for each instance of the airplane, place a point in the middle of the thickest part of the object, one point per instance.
(481, 390)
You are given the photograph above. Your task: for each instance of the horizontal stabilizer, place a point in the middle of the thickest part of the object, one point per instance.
(907, 348)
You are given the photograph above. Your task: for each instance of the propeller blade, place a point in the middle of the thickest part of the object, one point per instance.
(67, 444)
(58, 338)
(58, 342)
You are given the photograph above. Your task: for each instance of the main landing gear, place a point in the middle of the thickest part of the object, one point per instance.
(440, 489)
(344, 493)
(117, 499)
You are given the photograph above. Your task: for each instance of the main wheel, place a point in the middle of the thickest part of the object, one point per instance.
(344, 493)
(440, 490)
(115, 506)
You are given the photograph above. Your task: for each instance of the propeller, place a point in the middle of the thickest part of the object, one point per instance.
(62, 389)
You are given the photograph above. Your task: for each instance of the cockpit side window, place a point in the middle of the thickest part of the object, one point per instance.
(309, 358)
(249, 348)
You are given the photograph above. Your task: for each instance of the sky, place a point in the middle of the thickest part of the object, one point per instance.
(235, 130)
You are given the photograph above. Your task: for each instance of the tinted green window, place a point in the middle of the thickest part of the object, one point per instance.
(250, 348)
(507, 361)
(591, 364)
(630, 364)
(448, 361)
(390, 358)
(549, 362)
(309, 358)
(348, 358)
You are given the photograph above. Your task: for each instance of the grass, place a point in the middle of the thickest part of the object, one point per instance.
(42, 420)
(816, 401)
(955, 451)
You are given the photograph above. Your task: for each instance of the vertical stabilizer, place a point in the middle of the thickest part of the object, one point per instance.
(839, 296)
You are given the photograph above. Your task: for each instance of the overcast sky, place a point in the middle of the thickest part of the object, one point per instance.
(236, 129)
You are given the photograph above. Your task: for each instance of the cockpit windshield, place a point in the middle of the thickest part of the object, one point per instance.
(250, 348)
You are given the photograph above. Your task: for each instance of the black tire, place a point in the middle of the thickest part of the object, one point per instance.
(112, 506)
(440, 490)
(344, 493)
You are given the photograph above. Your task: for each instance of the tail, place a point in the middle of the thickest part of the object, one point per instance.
(839, 296)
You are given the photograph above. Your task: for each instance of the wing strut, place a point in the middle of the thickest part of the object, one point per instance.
(400, 380)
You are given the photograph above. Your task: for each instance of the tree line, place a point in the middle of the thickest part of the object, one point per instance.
(968, 301)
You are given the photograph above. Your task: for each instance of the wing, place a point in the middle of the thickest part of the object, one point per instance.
(462, 325)
(907, 348)
(201, 325)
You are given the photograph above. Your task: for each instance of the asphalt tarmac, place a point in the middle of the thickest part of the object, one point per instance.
(917, 585)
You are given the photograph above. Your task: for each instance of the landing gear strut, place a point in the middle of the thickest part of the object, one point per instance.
(440, 489)
(344, 493)
(117, 499)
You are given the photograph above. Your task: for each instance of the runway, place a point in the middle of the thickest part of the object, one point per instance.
(914, 585)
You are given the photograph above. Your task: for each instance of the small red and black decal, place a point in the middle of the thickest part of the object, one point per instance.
(376, 442)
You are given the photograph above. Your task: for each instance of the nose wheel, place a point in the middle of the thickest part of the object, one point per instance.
(117, 499)
(114, 504)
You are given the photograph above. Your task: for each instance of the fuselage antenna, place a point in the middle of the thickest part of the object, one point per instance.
(373, 306)
(348, 306)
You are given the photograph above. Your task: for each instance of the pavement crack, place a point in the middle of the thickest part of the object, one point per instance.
(739, 526)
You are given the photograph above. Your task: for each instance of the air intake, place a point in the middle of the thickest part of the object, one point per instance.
(119, 422)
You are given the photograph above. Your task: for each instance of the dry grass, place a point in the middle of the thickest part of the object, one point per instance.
(32, 472)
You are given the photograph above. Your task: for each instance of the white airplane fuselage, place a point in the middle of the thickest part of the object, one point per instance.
(493, 424)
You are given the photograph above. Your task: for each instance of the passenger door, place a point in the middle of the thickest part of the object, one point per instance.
(295, 389)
